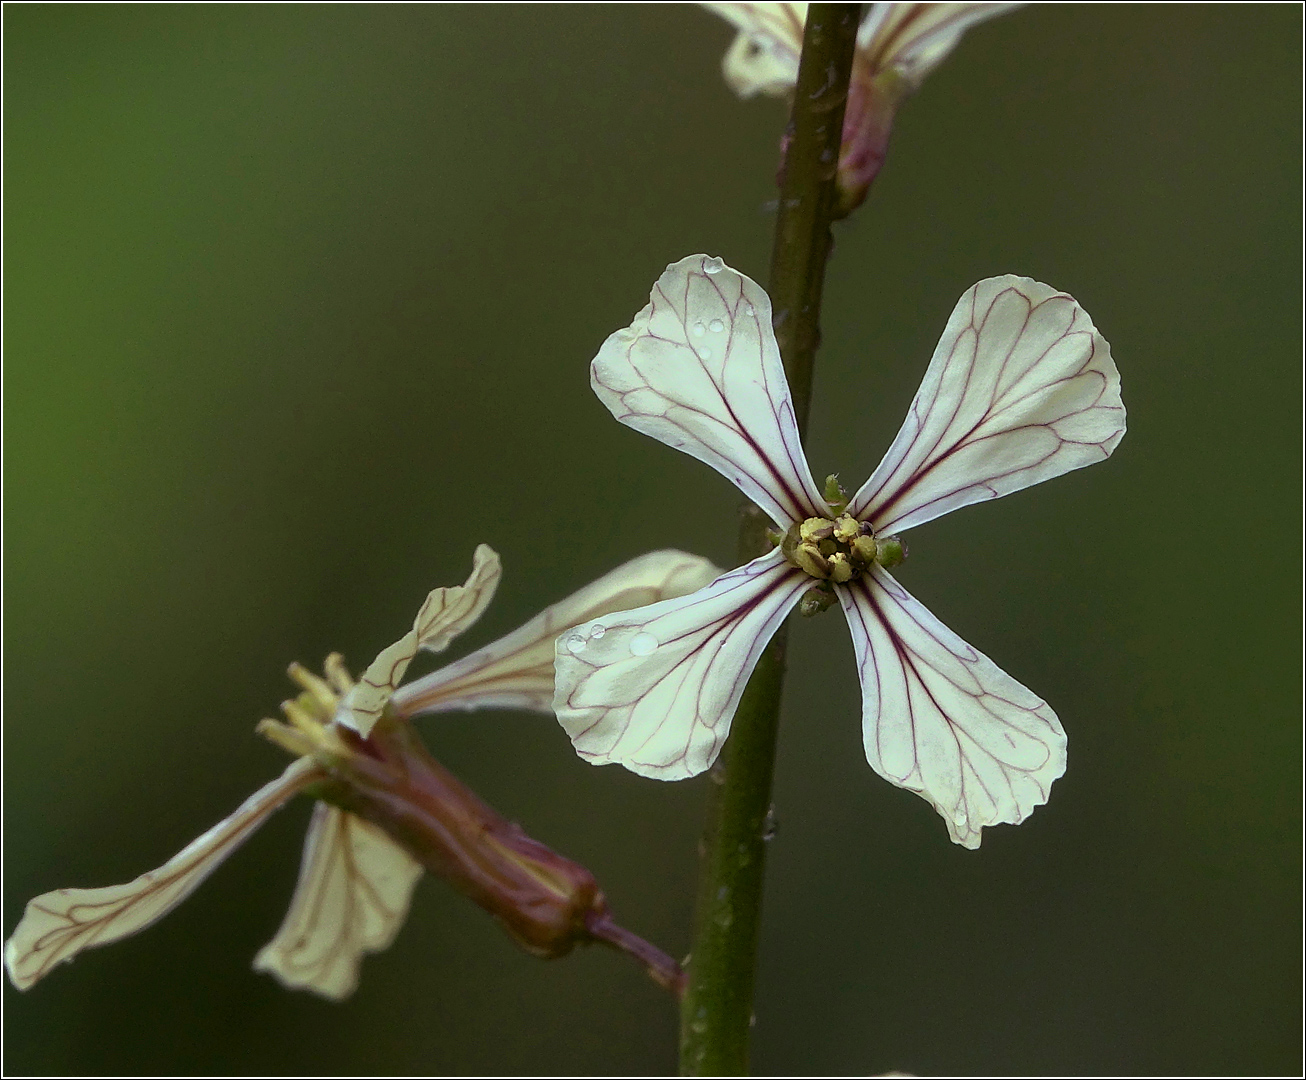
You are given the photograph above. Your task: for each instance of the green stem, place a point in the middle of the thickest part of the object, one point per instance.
(717, 1011)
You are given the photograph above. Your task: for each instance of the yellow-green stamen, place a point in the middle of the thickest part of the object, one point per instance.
(839, 550)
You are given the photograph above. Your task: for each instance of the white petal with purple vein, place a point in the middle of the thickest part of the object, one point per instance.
(352, 897)
(699, 369)
(446, 613)
(914, 38)
(941, 719)
(763, 59)
(657, 690)
(516, 672)
(1021, 388)
(57, 925)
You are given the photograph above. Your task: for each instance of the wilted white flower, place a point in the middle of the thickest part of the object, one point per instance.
(898, 45)
(355, 882)
(1021, 388)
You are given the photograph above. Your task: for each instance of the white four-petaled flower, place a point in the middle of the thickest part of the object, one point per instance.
(1021, 388)
(911, 39)
(898, 45)
(355, 882)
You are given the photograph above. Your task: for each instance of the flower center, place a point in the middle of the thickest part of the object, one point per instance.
(835, 551)
(840, 550)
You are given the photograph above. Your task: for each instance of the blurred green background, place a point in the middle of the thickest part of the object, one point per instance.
(300, 301)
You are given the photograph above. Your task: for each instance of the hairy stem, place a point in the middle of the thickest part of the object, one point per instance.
(717, 1010)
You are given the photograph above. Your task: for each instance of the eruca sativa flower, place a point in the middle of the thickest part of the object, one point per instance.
(1021, 388)
(898, 45)
(387, 810)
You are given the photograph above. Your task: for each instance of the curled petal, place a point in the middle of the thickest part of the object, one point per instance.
(1021, 388)
(445, 614)
(58, 925)
(912, 39)
(354, 887)
(655, 689)
(516, 672)
(943, 720)
(763, 58)
(699, 369)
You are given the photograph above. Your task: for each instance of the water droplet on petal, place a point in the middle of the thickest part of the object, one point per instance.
(749, 309)
(706, 354)
(716, 326)
(598, 630)
(575, 643)
(643, 644)
(713, 265)
(959, 817)
(699, 330)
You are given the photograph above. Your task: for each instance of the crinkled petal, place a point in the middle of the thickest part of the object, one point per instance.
(913, 39)
(1021, 388)
(58, 925)
(516, 672)
(655, 689)
(943, 720)
(354, 887)
(446, 614)
(763, 58)
(699, 369)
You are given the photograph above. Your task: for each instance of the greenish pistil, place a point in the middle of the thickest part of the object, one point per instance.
(835, 552)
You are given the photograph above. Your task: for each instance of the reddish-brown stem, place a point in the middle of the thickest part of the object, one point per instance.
(547, 902)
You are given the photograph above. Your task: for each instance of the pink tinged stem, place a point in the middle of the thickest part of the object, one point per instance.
(661, 968)
(867, 124)
(546, 902)
(873, 102)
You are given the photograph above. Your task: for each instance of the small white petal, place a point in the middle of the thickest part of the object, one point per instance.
(516, 672)
(941, 719)
(450, 612)
(352, 897)
(763, 59)
(731, 409)
(445, 614)
(57, 925)
(1021, 388)
(658, 690)
(914, 38)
